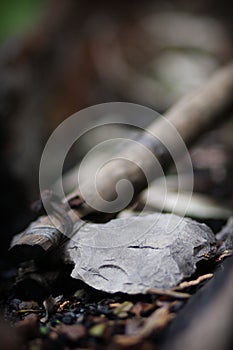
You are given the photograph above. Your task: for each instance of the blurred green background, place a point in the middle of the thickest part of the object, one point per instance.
(18, 16)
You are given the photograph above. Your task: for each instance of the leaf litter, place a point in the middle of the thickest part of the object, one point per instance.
(93, 319)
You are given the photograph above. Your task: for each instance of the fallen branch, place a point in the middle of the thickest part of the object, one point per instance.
(192, 116)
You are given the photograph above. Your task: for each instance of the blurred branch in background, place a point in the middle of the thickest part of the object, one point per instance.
(73, 54)
(79, 55)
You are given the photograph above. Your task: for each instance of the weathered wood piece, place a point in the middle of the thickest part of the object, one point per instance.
(39, 238)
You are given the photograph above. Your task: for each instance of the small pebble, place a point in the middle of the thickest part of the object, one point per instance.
(14, 303)
(104, 309)
(68, 318)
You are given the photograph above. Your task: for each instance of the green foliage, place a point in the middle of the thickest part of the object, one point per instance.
(17, 16)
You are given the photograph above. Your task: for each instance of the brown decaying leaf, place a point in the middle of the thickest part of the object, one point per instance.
(140, 309)
(157, 321)
(124, 307)
(73, 332)
(98, 330)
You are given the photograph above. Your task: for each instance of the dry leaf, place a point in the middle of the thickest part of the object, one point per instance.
(157, 321)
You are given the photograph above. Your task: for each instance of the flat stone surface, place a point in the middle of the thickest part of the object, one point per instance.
(132, 255)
